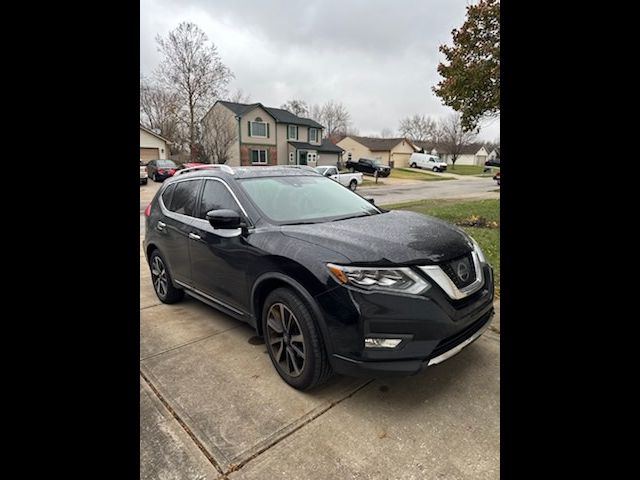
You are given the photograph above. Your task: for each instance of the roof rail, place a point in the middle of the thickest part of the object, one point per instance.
(223, 167)
(301, 167)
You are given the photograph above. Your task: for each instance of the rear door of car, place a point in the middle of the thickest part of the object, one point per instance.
(179, 207)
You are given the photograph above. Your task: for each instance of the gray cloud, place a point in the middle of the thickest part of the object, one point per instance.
(378, 57)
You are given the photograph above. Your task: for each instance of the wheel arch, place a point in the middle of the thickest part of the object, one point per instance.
(268, 282)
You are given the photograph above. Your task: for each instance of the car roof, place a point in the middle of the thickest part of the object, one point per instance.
(247, 172)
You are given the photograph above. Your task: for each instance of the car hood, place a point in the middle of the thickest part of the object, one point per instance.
(395, 237)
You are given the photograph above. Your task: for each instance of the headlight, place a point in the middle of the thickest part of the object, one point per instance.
(478, 251)
(397, 280)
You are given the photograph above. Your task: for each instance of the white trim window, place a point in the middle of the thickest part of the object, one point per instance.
(292, 132)
(313, 135)
(259, 157)
(258, 128)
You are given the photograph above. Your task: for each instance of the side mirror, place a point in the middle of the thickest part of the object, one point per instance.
(371, 200)
(225, 219)
(327, 173)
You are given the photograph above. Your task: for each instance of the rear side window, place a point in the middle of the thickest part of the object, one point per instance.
(184, 197)
(167, 194)
(215, 196)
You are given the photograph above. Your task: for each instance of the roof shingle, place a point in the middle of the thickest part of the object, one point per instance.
(281, 116)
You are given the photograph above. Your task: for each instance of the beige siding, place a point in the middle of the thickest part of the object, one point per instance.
(357, 150)
(400, 154)
(252, 116)
(150, 141)
(282, 145)
(234, 155)
(383, 156)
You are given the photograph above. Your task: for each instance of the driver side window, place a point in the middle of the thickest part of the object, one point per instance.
(215, 196)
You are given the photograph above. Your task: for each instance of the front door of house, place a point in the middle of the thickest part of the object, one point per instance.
(302, 157)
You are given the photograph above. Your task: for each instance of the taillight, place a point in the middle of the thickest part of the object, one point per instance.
(161, 171)
(147, 211)
(172, 171)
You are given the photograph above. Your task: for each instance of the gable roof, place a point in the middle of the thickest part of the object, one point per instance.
(326, 146)
(151, 132)
(379, 144)
(470, 149)
(280, 115)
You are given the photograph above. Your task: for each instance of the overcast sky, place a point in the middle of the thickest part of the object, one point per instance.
(378, 57)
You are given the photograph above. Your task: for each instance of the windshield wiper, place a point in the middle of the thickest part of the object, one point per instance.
(352, 216)
(299, 223)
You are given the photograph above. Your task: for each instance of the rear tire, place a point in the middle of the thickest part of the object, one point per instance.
(162, 282)
(353, 184)
(154, 177)
(413, 165)
(294, 341)
(144, 182)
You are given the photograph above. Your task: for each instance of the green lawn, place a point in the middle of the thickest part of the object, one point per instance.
(465, 169)
(407, 174)
(479, 218)
(372, 183)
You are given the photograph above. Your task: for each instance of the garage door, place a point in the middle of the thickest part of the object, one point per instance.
(400, 160)
(147, 154)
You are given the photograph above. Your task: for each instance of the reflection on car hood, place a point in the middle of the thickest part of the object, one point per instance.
(395, 237)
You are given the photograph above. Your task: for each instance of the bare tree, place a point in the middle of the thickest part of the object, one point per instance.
(240, 97)
(386, 133)
(315, 112)
(159, 110)
(335, 118)
(454, 138)
(297, 107)
(419, 128)
(219, 133)
(192, 67)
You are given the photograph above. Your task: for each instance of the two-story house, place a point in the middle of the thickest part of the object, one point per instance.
(273, 136)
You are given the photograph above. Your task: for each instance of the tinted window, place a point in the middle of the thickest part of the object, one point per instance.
(184, 197)
(167, 194)
(166, 164)
(215, 197)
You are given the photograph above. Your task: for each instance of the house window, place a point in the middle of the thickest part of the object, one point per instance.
(313, 134)
(349, 156)
(259, 157)
(293, 132)
(258, 128)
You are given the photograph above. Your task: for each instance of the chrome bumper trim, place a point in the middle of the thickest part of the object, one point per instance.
(458, 348)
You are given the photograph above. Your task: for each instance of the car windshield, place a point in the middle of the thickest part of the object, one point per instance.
(305, 199)
(322, 170)
(166, 164)
(377, 163)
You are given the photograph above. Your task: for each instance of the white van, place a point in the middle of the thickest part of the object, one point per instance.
(430, 162)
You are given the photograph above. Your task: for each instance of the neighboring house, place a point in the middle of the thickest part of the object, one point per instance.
(472, 154)
(152, 145)
(495, 153)
(273, 136)
(390, 151)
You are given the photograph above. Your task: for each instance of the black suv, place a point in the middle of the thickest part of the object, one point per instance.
(332, 282)
(370, 166)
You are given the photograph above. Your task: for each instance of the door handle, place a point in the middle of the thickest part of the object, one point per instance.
(193, 236)
(161, 225)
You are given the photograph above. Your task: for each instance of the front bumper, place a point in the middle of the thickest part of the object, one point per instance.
(433, 327)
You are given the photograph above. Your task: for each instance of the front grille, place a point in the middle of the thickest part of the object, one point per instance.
(457, 268)
(450, 342)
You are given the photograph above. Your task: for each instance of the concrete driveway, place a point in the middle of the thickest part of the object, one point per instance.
(212, 406)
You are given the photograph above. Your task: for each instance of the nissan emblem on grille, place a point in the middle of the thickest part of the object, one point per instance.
(463, 270)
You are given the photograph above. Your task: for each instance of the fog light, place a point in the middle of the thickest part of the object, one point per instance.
(382, 342)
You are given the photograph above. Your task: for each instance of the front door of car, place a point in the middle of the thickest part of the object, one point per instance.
(220, 258)
(174, 227)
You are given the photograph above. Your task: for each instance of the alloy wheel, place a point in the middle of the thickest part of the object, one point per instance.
(159, 276)
(285, 339)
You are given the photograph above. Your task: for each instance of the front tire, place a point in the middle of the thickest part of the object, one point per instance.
(154, 177)
(435, 169)
(293, 340)
(162, 282)
(353, 184)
